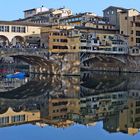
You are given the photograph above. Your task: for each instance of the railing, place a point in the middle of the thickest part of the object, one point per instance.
(44, 52)
(23, 51)
(104, 52)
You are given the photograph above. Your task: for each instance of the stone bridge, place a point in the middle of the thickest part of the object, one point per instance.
(110, 62)
(41, 61)
(36, 58)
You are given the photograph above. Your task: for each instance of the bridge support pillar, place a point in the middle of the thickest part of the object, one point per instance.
(69, 64)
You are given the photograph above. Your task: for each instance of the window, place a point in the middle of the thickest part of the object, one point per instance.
(59, 103)
(18, 118)
(4, 120)
(137, 33)
(126, 18)
(18, 29)
(131, 31)
(23, 29)
(56, 34)
(121, 32)
(137, 110)
(137, 24)
(137, 119)
(64, 40)
(137, 40)
(134, 18)
(131, 24)
(13, 29)
(138, 103)
(137, 50)
(4, 28)
(120, 49)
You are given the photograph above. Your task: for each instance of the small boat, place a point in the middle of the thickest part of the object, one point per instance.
(16, 75)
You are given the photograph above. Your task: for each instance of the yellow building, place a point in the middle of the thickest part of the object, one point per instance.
(130, 26)
(60, 39)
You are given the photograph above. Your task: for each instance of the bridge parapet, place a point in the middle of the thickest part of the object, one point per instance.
(23, 51)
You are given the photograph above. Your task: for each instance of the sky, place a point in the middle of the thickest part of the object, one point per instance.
(13, 9)
(76, 132)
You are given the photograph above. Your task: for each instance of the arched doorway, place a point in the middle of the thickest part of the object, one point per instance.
(18, 41)
(4, 41)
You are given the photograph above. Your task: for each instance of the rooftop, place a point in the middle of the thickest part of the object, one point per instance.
(115, 7)
(20, 23)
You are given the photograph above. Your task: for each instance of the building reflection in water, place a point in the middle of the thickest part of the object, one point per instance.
(61, 102)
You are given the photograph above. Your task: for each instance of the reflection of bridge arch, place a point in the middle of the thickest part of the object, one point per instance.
(96, 83)
(3, 110)
(17, 109)
(4, 41)
(90, 91)
(42, 64)
(32, 89)
(17, 40)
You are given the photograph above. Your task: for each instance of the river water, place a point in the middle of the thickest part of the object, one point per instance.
(94, 105)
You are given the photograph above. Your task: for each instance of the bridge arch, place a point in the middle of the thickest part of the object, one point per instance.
(118, 59)
(104, 59)
(18, 40)
(4, 41)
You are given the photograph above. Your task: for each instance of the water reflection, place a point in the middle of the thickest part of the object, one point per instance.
(61, 102)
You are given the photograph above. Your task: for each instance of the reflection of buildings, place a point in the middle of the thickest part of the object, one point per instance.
(115, 101)
(58, 110)
(10, 84)
(53, 112)
(10, 117)
(50, 103)
(119, 110)
(126, 120)
(130, 116)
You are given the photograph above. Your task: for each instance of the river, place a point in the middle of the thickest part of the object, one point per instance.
(94, 105)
